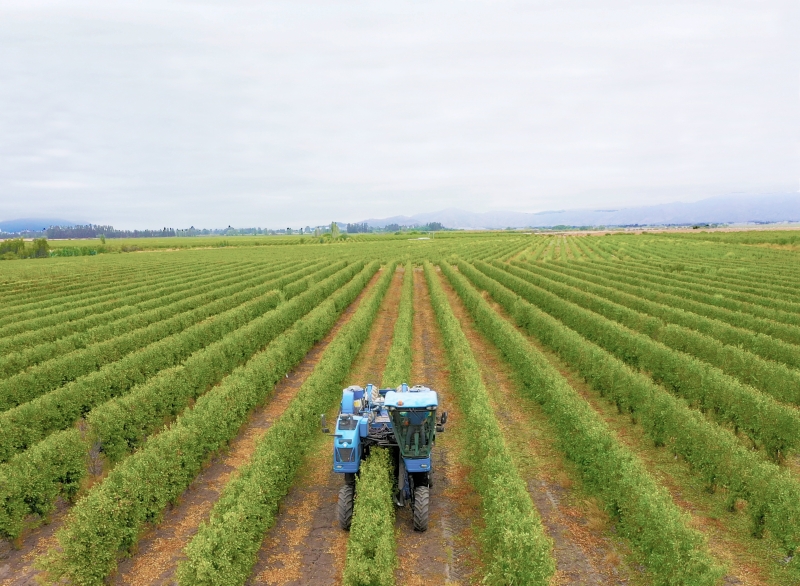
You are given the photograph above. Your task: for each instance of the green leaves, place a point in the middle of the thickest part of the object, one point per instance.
(775, 426)
(517, 549)
(643, 511)
(223, 551)
(398, 363)
(371, 552)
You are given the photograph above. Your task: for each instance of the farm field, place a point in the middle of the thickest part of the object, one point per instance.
(623, 409)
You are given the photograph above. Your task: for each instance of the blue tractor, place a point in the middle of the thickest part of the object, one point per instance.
(402, 420)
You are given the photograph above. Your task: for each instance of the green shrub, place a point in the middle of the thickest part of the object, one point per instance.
(517, 550)
(224, 549)
(108, 521)
(643, 511)
(371, 554)
(398, 363)
(772, 494)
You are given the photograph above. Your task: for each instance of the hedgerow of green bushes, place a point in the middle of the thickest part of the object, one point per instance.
(52, 323)
(30, 422)
(163, 323)
(772, 494)
(17, 248)
(371, 550)
(764, 346)
(776, 427)
(776, 380)
(516, 548)
(398, 363)
(108, 521)
(642, 510)
(224, 549)
(27, 350)
(765, 322)
(117, 426)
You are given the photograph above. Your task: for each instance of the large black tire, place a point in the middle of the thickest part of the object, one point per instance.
(345, 505)
(421, 508)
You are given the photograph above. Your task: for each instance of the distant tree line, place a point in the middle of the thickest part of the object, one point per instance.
(96, 230)
(429, 227)
(358, 228)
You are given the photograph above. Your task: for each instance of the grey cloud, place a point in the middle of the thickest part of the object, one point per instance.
(292, 112)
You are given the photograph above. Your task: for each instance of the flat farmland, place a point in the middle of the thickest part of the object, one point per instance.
(623, 409)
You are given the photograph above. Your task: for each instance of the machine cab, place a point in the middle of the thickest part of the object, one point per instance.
(413, 414)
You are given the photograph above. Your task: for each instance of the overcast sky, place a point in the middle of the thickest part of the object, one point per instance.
(285, 113)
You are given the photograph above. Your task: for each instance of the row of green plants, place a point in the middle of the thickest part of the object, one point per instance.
(104, 337)
(121, 424)
(715, 454)
(117, 427)
(774, 426)
(72, 280)
(33, 303)
(591, 253)
(55, 325)
(55, 322)
(504, 250)
(109, 520)
(371, 549)
(674, 263)
(35, 311)
(539, 250)
(516, 548)
(398, 363)
(750, 289)
(224, 549)
(762, 345)
(23, 287)
(642, 511)
(776, 380)
(30, 422)
(52, 374)
(671, 296)
(745, 290)
(84, 313)
(530, 243)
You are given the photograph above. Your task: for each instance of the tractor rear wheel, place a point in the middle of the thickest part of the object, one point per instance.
(421, 508)
(345, 506)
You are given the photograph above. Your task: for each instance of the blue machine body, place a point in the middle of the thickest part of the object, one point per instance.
(402, 418)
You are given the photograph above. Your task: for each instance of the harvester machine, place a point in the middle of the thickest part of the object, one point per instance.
(402, 420)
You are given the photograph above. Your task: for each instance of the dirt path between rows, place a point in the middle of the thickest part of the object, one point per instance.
(16, 563)
(447, 552)
(582, 555)
(161, 550)
(306, 546)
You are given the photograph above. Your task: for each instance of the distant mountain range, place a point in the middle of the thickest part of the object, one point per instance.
(31, 224)
(726, 209)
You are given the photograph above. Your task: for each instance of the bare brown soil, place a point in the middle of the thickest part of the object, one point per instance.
(447, 552)
(16, 560)
(306, 546)
(161, 550)
(583, 554)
